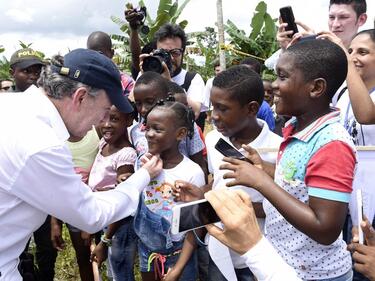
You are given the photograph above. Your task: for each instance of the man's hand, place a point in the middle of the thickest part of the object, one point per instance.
(172, 275)
(56, 235)
(100, 254)
(152, 163)
(241, 231)
(283, 38)
(186, 192)
(132, 17)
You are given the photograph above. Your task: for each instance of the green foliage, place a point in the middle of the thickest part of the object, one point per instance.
(4, 69)
(260, 43)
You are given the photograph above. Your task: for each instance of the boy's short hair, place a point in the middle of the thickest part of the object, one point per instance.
(150, 77)
(359, 6)
(320, 59)
(254, 64)
(170, 30)
(244, 84)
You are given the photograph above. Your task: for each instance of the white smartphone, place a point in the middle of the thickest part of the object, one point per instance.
(360, 215)
(192, 215)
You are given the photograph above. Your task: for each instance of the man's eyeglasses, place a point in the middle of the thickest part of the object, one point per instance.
(176, 52)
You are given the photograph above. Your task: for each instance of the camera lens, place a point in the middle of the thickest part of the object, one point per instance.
(152, 63)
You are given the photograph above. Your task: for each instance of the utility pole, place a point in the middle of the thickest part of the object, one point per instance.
(220, 27)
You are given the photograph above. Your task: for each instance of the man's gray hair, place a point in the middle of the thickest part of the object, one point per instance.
(58, 86)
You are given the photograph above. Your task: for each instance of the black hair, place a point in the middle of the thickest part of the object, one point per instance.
(359, 6)
(243, 83)
(184, 116)
(370, 32)
(134, 113)
(151, 77)
(254, 64)
(174, 88)
(170, 30)
(320, 59)
(99, 41)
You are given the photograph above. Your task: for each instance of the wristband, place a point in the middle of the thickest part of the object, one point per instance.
(106, 241)
(199, 241)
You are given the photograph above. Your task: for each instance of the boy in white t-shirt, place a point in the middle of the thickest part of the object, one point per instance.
(236, 96)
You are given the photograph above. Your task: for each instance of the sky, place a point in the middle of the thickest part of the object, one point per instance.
(59, 26)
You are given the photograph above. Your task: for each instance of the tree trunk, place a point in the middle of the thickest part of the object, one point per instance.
(220, 26)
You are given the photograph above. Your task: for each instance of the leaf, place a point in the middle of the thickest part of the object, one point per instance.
(258, 19)
(183, 24)
(179, 11)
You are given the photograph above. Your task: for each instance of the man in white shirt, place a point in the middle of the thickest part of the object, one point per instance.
(37, 175)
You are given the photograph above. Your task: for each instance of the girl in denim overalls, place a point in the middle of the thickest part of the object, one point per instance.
(164, 256)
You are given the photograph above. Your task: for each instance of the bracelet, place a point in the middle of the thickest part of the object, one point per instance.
(106, 241)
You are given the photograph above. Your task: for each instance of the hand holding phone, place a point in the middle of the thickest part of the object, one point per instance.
(192, 215)
(287, 16)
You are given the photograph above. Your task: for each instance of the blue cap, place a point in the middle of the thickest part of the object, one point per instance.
(95, 70)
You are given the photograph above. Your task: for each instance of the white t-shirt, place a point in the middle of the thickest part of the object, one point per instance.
(225, 258)
(158, 193)
(196, 88)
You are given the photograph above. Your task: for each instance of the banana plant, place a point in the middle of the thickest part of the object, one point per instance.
(261, 42)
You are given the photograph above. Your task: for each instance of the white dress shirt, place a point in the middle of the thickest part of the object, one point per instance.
(37, 178)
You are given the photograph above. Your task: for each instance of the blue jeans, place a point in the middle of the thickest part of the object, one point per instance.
(189, 273)
(123, 251)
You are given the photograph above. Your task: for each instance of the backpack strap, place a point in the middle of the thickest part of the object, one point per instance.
(188, 78)
(341, 93)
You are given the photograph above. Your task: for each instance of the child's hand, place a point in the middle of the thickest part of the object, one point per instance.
(100, 254)
(152, 163)
(186, 192)
(56, 236)
(171, 275)
(253, 156)
(244, 173)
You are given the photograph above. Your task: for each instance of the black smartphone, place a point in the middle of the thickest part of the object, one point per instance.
(192, 215)
(287, 16)
(228, 150)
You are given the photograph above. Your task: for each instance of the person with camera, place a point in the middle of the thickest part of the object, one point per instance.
(170, 42)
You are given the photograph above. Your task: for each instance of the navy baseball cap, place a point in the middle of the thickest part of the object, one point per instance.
(95, 70)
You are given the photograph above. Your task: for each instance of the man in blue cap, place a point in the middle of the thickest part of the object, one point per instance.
(37, 175)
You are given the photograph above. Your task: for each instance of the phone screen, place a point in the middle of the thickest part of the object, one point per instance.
(227, 150)
(197, 215)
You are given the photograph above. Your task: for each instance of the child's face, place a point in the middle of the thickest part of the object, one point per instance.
(362, 50)
(146, 96)
(291, 91)
(268, 93)
(161, 132)
(114, 128)
(228, 115)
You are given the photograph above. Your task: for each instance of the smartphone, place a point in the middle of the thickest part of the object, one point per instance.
(360, 215)
(192, 215)
(228, 150)
(287, 16)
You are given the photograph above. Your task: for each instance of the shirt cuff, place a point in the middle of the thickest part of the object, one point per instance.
(261, 256)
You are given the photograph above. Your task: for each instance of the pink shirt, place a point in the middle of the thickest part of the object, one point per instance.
(104, 170)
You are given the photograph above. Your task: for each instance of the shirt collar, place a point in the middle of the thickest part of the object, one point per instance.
(49, 113)
(307, 133)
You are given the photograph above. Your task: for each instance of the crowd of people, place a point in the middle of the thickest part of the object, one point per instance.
(110, 154)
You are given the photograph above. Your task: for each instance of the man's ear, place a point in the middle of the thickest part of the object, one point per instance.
(182, 133)
(319, 88)
(253, 108)
(362, 19)
(79, 96)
